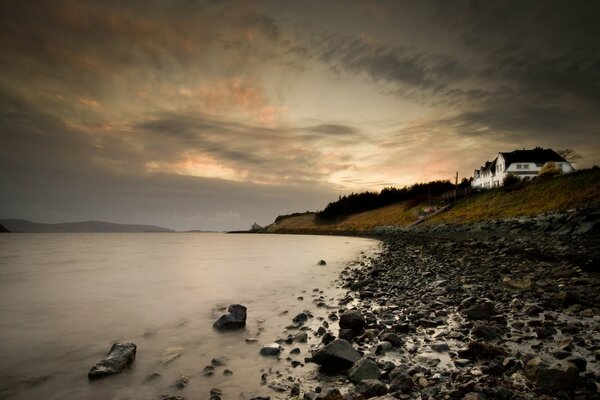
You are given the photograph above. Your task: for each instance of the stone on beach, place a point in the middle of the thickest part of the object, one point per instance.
(481, 311)
(337, 355)
(272, 349)
(234, 319)
(352, 320)
(553, 377)
(365, 368)
(121, 355)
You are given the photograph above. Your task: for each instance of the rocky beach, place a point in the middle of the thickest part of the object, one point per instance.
(505, 309)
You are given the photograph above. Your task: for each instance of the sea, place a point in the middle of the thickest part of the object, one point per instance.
(65, 298)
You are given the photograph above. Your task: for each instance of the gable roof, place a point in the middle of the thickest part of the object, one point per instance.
(537, 155)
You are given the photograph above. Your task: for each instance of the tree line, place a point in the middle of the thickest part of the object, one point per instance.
(358, 202)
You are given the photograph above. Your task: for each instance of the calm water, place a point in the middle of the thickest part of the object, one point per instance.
(65, 298)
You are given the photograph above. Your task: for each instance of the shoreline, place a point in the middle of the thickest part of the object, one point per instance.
(476, 315)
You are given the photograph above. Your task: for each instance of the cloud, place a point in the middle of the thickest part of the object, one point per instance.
(333, 129)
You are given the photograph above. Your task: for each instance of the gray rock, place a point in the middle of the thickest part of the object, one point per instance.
(481, 311)
(300, 318)
(552, 377)
(352, 320)
(272, 349)
(392, 338)
(182, 381)
(234, 319)
(579, 362)
(440, 347)
(400, 381)
(121, 355)
(365, 368)
(485, 331)
(337, 355)
(321, 262)
(371, 388)
(301, 337)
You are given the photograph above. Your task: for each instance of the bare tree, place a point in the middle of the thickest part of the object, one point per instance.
(570, 155)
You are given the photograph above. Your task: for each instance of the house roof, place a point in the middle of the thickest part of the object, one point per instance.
(537, 155)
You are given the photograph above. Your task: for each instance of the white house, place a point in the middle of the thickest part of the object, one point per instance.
(526, 164)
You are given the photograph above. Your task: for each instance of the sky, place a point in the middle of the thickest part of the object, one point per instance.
(217, 114)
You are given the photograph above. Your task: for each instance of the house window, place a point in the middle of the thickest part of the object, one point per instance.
(518, 166)
(525, 166)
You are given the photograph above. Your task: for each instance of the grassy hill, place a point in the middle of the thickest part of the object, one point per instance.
(529, 198)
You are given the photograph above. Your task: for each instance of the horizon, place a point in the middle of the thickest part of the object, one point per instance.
(202, 115)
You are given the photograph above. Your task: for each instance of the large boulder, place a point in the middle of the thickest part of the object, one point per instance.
(352, 320)
(552, 377)
(234, 319)
(337, 355)
(121, 355)
(365, 368)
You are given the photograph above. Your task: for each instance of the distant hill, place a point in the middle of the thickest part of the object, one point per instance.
(3, 229)
(22, 225)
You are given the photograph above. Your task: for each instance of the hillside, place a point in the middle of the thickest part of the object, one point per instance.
(541, 195)
(25, 226)
(3, 229)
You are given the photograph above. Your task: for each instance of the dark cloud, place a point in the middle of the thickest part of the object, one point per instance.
(333, 129)
(389, 64)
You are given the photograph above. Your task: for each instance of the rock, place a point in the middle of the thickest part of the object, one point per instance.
(352, 320)
(301, 337)
(400, 381)
(329, 394)
(272, 349)
(181, 382)
(478, 350)
(219, 361)
(215, 394)
(337, 355)
(392, 338)
(519, 284)
(485, 331)
(579, 362)
(365, 368)
(474, 396)
(121, 355)
(234, 319)
(300, 318)
(347, 334)
(328, 338)
(321, 262)
(227, 372)
(481, 311)
(171, 397)
(552, 377)
(440, 347)
(371, 388)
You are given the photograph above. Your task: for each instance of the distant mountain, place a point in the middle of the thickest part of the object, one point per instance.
(3, 229)
(22, 225)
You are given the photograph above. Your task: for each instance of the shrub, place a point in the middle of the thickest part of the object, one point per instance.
(511, 180)
(549, 169)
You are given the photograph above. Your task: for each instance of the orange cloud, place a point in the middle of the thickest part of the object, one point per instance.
(86, 101)
(236, 98)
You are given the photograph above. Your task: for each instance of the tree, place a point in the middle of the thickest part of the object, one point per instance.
(570, 155)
